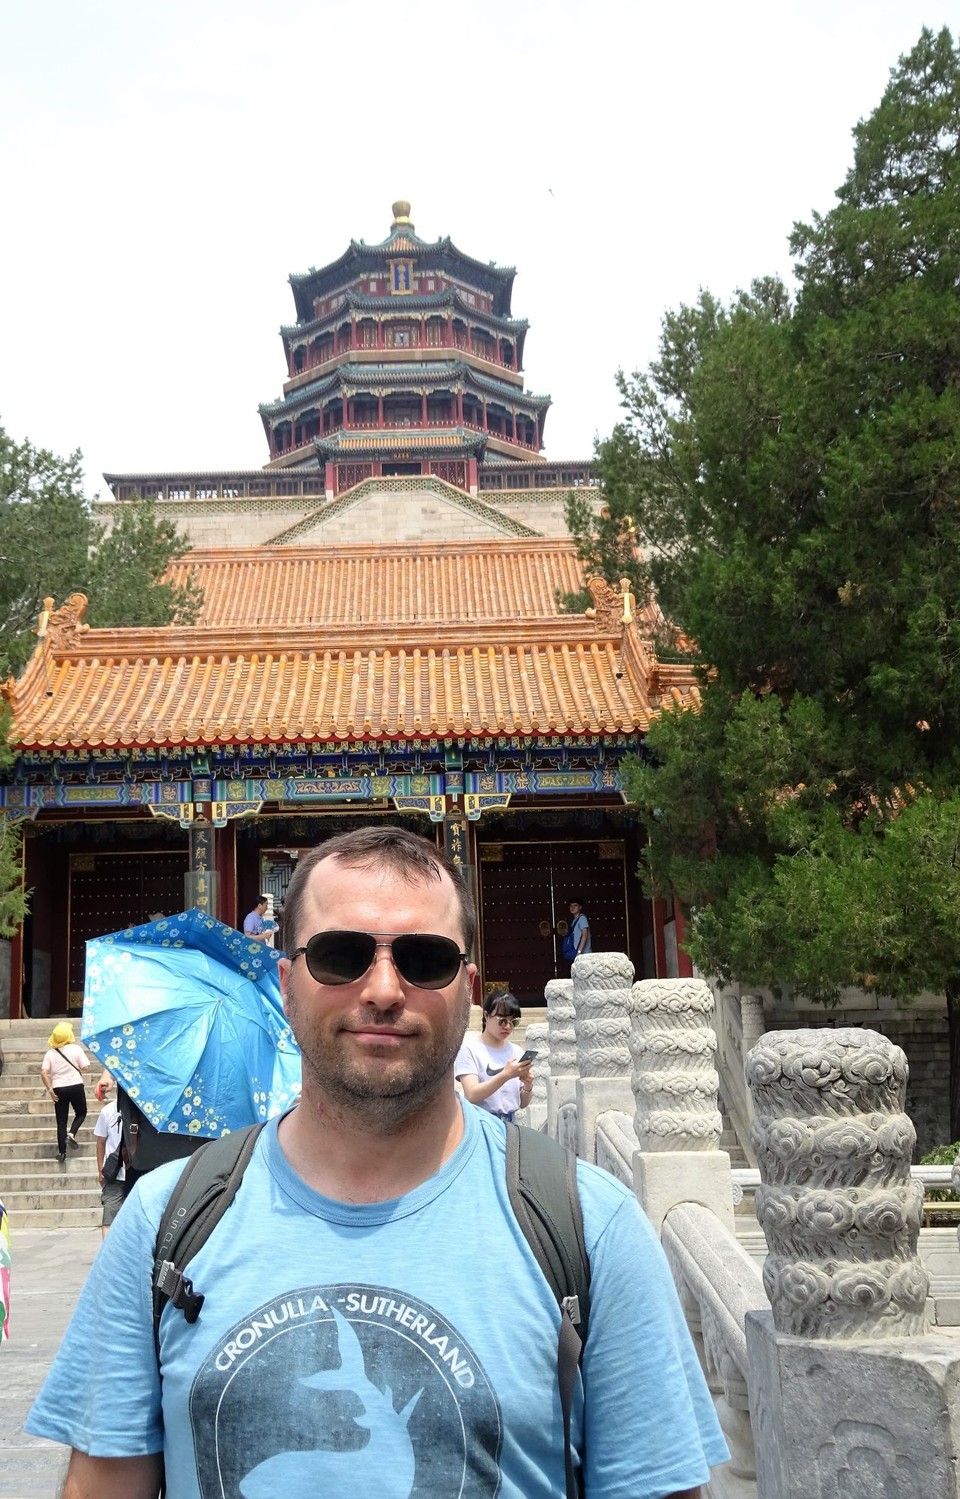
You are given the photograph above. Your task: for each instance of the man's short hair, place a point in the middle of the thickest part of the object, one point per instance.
(408, 855)
(263, 900)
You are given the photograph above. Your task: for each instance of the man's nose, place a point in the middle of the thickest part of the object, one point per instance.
(381, 978)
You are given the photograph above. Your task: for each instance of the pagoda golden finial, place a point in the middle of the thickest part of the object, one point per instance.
(401, 215)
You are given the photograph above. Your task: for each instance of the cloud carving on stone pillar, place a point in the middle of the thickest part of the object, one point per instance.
(674, 1079)
(839, 1211)
(601, 998)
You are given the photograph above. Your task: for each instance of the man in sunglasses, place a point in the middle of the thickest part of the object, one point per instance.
(349, 1340)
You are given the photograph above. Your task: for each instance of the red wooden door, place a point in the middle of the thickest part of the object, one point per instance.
(111, 891)
(525, 892)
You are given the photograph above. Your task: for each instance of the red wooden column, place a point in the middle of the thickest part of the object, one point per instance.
(225, 863)
(16, 974)
(460, 407)
(659, 945)
(423, 409)
(684, 962)
(379, 333)
(379, 411)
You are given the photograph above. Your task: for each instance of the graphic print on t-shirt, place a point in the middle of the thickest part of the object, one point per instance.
(336, 1389)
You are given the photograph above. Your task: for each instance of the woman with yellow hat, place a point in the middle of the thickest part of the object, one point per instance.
(62, 1072)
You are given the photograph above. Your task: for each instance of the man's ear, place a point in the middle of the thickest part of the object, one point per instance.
(284, 967)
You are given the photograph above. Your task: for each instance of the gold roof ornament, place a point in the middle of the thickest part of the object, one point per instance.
(401, 216)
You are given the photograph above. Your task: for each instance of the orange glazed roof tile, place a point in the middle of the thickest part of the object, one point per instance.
(205, 699)
(299, 585)
(368, 642)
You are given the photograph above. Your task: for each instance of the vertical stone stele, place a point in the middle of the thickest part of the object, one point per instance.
(839, 1211)
(674, 1079)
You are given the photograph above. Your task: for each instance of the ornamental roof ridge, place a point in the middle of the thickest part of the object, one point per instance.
(515, 392)
(365, 551)
(358, 248)
(116, 645)
(400, 372)
(411, 439)
(419, 301)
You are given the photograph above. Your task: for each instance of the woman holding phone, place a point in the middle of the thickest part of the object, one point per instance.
(490, 1068)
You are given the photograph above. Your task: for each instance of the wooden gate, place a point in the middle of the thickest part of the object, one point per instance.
(525, 893)
(110, 891)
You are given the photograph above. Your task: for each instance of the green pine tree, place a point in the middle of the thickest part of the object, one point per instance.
(790, 466)
(51, 546)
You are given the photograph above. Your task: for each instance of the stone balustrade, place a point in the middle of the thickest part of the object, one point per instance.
(839, 1311)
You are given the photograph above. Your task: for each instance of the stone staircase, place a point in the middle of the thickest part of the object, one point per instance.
(729, 1140)
(37, 1191)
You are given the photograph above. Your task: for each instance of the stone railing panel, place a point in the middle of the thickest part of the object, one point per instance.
(718, 1285)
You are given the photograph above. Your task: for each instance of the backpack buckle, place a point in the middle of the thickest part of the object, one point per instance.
(571, 1305)
(178, 1288)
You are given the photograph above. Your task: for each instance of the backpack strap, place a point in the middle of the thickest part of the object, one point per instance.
(543, 1192)
(205, 1189)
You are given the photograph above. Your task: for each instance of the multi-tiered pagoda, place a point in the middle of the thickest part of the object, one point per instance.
(380, 638)
(404, 360)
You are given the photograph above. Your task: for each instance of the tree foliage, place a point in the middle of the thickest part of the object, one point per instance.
(51, 545)
(790, 466)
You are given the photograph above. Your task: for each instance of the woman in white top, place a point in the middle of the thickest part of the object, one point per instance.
(488, 1066)
(62, 1072)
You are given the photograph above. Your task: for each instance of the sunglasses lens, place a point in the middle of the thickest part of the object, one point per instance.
(339, 957)
(426, 961)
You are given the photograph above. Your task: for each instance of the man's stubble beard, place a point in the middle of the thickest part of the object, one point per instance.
(354, 1087)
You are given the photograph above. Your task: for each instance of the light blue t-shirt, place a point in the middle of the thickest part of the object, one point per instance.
(576, 932)
(398, 1348)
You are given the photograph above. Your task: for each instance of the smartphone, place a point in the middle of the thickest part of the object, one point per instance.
(528, 1056)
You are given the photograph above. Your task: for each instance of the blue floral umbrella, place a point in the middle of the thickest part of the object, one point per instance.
(186, 1014)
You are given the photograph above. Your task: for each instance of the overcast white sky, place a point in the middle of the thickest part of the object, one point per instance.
(167, 165)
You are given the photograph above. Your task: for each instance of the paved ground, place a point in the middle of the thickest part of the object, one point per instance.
(49, 1267)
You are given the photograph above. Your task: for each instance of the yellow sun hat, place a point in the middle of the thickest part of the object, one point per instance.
(62, 1034)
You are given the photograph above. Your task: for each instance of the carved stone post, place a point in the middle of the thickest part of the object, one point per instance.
(837, 1207)
(752, 1026)
(601, 1000)
(675, 1081)
(538, 1040)
(562, 1082)
(751, 1021)
(675, 1086)
(880, 1407)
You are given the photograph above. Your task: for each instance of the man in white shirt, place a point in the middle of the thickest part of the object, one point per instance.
(107, 1132)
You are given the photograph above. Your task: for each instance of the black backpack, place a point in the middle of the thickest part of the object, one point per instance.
(542, 1187)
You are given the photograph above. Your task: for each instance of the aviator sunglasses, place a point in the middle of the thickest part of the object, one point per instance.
(423, 959)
